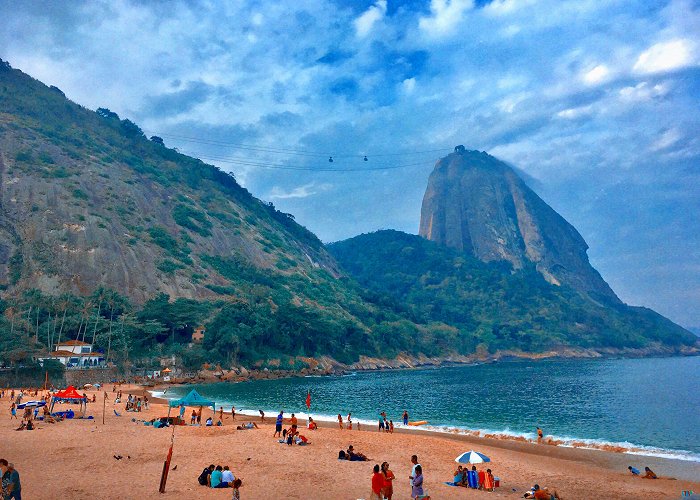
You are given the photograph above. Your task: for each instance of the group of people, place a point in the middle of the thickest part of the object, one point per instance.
(291, 435)
(382, 483)
(388, 425)
(133, 403)
(352, 455)
(476, 479)
(220, 477)
(648, 473)
(11, 486)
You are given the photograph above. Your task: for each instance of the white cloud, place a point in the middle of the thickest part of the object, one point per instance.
(445, 16)
(666, 56)
(504, 7)
(667, 139)
(409, 85)
(644, 92)
(310, 189)
(364, 23)
(596, 75)
(573, 113)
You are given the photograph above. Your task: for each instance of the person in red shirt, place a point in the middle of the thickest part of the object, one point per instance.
(377, 484)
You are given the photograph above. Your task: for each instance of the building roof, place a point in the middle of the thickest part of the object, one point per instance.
(73, 342)
(69, 354)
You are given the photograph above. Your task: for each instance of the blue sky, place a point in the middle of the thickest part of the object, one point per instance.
(596, 100)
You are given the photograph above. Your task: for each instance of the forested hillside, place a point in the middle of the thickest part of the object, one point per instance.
(491, 306)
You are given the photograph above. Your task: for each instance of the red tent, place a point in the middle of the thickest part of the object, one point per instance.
(68, 393)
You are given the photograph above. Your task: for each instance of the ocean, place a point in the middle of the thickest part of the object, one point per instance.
(647, 406)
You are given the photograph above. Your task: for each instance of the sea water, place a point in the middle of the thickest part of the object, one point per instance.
(647, 406)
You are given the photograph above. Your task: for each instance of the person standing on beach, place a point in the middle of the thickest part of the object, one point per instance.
(340, 421)
(182, 412)
(381, 422)
(221, 413)
(278, 425)
(233, 413)
(377, 484)
(388, 490)
(414, 461)
(540, 435)
(349, 421)
(199, 415)
(193, 418)
(13, 411)
(405, 417)
(262, 416)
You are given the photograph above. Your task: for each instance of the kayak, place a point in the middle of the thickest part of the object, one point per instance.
(418, 422)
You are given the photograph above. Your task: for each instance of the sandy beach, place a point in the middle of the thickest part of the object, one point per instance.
(75, 459)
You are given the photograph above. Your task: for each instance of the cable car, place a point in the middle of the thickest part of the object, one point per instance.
(330, 159)
(366, 158)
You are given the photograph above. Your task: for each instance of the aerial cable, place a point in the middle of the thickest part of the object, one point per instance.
(298, 152)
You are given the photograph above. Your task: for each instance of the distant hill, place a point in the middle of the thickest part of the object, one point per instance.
(492, 307)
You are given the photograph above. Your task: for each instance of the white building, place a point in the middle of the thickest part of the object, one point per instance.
(77, 354)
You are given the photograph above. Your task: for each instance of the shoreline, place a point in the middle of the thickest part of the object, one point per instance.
(273, 470)
(599, 453)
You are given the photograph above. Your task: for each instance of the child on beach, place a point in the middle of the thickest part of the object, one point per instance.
(391, 426)
(236, 489)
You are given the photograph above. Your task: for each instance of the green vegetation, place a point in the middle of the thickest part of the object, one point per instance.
(192, 219)
(489, 304)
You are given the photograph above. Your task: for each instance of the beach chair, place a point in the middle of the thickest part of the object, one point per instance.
(473, 479)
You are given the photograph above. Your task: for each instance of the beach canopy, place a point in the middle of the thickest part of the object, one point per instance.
(69, 393)
(472, 457)
(192, 399)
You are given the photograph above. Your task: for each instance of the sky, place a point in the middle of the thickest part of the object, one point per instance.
(596, 101)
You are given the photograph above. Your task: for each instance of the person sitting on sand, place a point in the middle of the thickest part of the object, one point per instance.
(219, 423)
(227, 478)
(544, 493)
(209, 422)
(203, 478)
(353, 456)
(312, 425)
(215, 477)
(649, 474)
(635, 472)
(458, 476)
(248, 425)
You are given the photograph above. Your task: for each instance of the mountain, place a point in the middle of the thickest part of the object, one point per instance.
(477, 204)
(495, 309)
(106, 235)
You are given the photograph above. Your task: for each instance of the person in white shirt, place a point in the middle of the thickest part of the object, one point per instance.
(227, 478)
(414, 461)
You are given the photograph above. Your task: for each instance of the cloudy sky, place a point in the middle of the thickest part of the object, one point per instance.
(596, 100)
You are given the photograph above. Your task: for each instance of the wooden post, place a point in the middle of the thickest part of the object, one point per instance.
(104, 405)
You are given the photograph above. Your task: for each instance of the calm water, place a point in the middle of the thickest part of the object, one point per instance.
(653, 403)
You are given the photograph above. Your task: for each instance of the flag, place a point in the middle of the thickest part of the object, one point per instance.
(308, 400)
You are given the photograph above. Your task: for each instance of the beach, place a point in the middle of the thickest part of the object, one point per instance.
(75, 459)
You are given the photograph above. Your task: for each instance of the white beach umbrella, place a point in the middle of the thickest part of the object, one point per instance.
(472, 457)
(31, 404)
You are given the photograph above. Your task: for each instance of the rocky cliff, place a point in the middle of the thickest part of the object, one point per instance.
(478, 204)
(86, 200)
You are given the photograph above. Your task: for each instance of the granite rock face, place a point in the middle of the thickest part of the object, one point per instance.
(478, 204)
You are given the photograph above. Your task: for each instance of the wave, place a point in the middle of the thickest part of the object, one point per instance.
(504, 434)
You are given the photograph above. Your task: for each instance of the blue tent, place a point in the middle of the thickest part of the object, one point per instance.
(192, 399)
